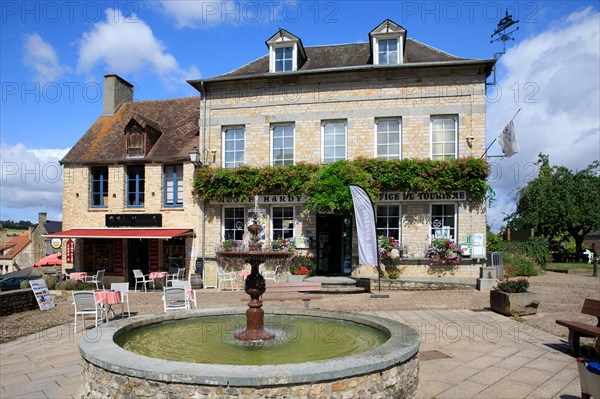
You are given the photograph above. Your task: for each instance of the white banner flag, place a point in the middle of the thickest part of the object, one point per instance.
(508, 140)
(365, 226)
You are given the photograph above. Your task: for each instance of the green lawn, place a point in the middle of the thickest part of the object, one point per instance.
(570, 266)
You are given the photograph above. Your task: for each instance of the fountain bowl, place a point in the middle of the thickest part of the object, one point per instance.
(388, 370)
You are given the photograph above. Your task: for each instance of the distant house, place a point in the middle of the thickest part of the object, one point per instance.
(42, 246)
(16, 254)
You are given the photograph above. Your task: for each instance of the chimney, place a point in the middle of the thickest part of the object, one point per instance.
(116, 91)
(42, 218)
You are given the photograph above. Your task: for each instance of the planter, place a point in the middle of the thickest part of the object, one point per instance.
(523, 303)
(295, 278)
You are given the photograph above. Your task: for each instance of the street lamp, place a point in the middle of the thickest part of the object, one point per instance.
(195, 156)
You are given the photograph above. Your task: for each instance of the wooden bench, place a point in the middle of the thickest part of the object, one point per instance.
(578, 329)
(304, 286)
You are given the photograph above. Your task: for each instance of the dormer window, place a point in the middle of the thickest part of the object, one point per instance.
(388, 51)
(286, 52)
(284, 59)
(140, 136)
(387, 43)
(135, 142)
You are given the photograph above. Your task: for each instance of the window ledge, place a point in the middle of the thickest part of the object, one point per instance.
(176, 209)
(98, 209)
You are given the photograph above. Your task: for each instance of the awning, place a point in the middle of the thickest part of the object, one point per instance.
(121, 233)
(50, 260)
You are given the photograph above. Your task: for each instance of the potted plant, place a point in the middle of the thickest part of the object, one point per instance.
(512, 297)
(443, 252)
(301, 266)
(390, 250)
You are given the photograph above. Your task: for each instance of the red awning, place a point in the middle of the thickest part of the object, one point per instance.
(121, 233)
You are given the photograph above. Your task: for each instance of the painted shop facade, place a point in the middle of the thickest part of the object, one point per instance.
(128, 198)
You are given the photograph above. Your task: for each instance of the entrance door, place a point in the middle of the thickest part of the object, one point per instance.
(137, 257)
(330, 229)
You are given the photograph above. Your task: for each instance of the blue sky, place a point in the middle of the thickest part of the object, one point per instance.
(54, 56)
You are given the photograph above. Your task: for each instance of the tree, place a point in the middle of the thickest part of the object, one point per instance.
(560, 200)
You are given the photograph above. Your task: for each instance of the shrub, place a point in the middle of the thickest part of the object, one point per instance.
(50, 282)
(392, 274)
(535, 248)
(74, 285)
(25, 284)
(519, 264)
(513, 286)
(298, 262)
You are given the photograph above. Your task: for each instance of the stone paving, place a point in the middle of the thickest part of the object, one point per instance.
(464, 354)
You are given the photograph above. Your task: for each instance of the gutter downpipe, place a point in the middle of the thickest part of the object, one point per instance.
(203, 138)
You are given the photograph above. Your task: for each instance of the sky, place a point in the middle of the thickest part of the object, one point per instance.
(54, 55)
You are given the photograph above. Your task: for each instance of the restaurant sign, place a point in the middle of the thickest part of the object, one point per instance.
(422, 196)
(70, 250)
(264, 200)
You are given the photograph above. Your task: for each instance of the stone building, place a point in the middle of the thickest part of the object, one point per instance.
(42, 245)
(16, 254)
(128, 199)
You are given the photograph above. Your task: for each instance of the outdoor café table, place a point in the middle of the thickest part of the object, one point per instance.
(78, 276)
(109, 298)
(158, 276)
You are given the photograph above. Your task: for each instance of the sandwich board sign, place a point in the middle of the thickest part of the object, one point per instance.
(42, 294)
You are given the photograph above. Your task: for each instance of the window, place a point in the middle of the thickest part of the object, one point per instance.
(334, 141)
(135, 186)
(443, 138)
(388, 51)
(233, 223)
(99, 187)
(283, 145)
(388, 221)
(135, 141)
(388, 138)
(284, 59)
(234, 147)
(443, 221)
(283, 222)
(173, 185)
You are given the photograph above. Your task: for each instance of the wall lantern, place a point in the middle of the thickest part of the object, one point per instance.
(195, 157)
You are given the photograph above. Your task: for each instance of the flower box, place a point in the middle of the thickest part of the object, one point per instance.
(507, 303)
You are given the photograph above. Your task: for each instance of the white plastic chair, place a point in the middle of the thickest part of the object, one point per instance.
(175, 273)
(174, 299)
(590, 382)
(124, 289)
(186, 285)
(271, 275)
(223, 277)
(85, 303)
(140, 278)
(97, 279)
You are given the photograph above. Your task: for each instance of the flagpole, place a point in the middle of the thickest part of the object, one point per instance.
(492, 143)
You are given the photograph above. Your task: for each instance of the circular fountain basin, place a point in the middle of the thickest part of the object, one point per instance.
(389, 369)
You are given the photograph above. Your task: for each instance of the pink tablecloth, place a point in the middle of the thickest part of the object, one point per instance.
(78, 276)
(244, 273)
(109, 297)
(155, 275)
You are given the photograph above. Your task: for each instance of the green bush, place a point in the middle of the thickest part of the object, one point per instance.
(519, 264)
(513, 286)
(299, 261)
(74, 285)
(25, 284)
(50, 282)
(392, 274)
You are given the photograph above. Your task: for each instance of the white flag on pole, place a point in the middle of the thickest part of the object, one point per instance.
(508, 140)
(366, 232)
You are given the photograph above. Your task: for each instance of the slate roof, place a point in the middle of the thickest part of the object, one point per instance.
(105, 140)
(52, 226)
(347, 55)
(15, 246)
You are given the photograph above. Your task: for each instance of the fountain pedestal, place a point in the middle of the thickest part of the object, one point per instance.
(254, 285)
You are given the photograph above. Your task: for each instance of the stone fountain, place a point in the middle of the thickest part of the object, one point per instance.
(254, 284)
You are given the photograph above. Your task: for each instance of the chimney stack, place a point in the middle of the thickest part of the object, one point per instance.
(116, 91)
(42, 218)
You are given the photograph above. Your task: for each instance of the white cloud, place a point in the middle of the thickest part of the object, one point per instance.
(125, 45)
(32, 181)
(41, 57)
(554, 77)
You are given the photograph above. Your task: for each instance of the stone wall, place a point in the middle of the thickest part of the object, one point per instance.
(16, 301)
(396, 382)
(372, 285)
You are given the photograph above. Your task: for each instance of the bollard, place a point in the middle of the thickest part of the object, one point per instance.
(595, 272)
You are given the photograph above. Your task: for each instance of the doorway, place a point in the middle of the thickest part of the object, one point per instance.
(334, 238)
(137, 257)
